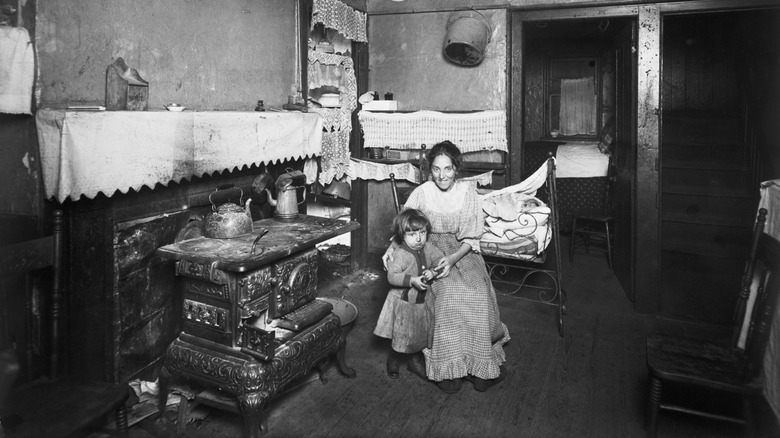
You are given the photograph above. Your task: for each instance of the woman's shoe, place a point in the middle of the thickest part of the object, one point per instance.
(393, 364)
(450, 386)
(483, 385)
(416, 365)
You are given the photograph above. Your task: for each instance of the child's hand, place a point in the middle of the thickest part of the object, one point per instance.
(418, 283)
(428, 276)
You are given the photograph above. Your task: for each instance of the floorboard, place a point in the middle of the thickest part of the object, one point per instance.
(590, 383)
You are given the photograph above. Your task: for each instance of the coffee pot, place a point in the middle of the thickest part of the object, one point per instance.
(287, 185)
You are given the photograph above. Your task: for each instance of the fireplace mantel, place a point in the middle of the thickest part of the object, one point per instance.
(84, 153)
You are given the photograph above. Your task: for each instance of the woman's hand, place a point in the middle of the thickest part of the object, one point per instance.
(447, 262)
(388, 256)
(444, 266)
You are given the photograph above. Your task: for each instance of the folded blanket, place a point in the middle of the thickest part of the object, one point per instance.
(509, 205)
(524, 224)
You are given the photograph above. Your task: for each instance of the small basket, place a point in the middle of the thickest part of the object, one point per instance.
(335, 253)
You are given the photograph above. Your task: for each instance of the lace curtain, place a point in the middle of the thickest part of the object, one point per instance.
(471, 132)
(339, 71)
(337, 15)
(578, 106)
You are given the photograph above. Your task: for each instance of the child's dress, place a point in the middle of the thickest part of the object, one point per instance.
(407, 315)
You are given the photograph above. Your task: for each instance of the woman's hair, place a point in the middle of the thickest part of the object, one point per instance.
(409, 220)
(448, 149)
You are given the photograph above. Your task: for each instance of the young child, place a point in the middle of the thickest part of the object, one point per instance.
(407, 315)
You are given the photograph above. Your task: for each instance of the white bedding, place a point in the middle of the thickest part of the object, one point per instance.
(580, 160)
(515, 220)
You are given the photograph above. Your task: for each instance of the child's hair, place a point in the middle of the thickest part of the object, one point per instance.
(409, 220)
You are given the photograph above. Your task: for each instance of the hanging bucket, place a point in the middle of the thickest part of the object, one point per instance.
(468, 32)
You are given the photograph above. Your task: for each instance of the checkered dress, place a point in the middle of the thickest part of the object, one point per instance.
(468, 335)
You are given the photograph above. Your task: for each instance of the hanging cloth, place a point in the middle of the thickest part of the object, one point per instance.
(336, 70)
(578, 107)
(337, 15)
(17, 65)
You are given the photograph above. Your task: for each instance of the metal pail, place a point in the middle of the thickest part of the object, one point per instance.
(468, 32)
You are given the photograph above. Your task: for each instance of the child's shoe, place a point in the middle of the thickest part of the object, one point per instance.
(416, 365)
(393, 364)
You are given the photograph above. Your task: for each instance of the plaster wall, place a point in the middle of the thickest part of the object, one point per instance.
(406, 58)
(223, 55)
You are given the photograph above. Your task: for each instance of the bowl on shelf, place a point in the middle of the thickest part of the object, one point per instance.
(175, 107)
(330, 100)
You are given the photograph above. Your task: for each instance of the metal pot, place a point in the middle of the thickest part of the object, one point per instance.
(229, 220)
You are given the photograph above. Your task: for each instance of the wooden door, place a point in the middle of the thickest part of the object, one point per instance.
(625, 158)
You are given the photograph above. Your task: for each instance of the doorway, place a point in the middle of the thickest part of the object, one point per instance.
(716, 84)
(551, 49)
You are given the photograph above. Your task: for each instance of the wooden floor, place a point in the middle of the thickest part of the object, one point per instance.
(590, 383)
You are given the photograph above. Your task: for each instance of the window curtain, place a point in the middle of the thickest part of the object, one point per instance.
(578, 106)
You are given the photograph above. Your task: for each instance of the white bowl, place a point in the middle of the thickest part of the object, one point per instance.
(330, 100)
(175, 107)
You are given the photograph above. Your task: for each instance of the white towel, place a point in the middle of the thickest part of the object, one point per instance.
(17, 67)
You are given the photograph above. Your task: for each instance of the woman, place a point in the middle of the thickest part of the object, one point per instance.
(468, 336)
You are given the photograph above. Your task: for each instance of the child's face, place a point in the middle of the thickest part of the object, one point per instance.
(415, 239)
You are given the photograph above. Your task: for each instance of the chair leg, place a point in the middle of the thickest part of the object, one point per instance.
(609, 246)
(747, 413)
(121, 420)
(573, 239)
(653, 407)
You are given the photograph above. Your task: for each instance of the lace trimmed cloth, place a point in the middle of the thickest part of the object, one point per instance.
(361, 169)
(334, 70)
(471, 132)
(341, 17)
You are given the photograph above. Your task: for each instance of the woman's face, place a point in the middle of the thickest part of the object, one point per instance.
(443, 172)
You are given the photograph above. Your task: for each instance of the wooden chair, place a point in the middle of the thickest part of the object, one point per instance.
(54, 406)
(717, 368)
(592, 229)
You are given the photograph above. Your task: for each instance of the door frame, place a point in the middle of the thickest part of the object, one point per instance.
(517, 20)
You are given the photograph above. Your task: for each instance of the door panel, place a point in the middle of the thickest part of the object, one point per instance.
(625, 158)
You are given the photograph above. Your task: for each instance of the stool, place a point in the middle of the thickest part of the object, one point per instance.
(589, 229)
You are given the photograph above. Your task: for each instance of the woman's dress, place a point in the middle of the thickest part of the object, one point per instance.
(468, 335)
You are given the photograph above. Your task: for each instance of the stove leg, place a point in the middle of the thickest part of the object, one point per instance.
(252, 412)
(341, 357)
(322, 366)
(164, 382)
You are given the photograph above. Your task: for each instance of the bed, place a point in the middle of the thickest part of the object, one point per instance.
(521, 244)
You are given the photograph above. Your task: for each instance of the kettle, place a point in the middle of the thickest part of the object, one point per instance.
(229, 220)
(287, 185)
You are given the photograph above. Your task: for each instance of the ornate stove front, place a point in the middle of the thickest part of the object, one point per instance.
(251, 323)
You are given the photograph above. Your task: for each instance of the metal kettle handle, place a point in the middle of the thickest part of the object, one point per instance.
(304, 194)
(225, 187)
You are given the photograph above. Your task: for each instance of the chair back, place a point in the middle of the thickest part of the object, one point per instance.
(765, 275)
(741, 317)
(25, 257)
